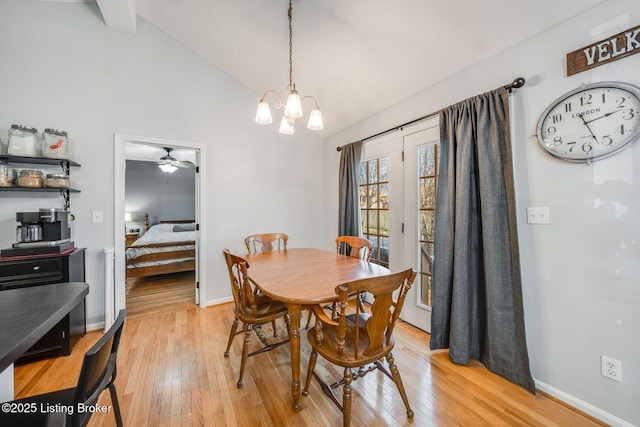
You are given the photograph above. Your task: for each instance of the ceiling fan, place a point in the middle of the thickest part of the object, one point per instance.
(170, 164)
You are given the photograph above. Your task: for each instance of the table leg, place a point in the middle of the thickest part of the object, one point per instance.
(294, 343)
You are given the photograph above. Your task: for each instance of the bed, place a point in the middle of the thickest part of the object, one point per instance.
(167, 247)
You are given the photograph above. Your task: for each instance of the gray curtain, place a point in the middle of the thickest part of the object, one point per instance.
(348, 191)
(477, 295)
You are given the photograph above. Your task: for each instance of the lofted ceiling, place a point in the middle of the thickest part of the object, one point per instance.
(356, 57)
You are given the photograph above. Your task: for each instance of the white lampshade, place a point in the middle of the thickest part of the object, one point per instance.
(315, 120)
(263, 115)
(167, 168)
(286, 126)
(127, 217)
(293, 109)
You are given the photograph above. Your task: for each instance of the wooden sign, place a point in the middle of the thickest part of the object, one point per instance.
(611, 49)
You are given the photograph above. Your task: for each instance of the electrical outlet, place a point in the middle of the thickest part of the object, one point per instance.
(611, 368)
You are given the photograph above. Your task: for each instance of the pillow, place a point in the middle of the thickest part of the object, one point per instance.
(185, 227)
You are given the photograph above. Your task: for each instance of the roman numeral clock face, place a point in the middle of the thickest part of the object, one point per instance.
(591, 122)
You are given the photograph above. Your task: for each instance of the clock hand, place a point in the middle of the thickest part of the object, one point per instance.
(586, 123)
(598, 118)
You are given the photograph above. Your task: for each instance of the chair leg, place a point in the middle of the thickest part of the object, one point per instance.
(346, 398)
(245, 347)
(273, 325)
(116, 405)
(396, 379)
(309, 318)
(234, 328)
(312, 365)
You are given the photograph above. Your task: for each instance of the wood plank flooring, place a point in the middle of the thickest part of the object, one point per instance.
(154, 295)
(172, 372)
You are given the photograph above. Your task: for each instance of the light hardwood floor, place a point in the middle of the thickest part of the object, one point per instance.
(171, 372)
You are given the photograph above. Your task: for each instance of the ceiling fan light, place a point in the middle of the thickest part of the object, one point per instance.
(315, 120)
(167, 168)
(286, 126)
(263, 115)
(293, 108)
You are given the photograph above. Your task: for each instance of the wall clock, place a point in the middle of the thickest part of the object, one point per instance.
(591, 122)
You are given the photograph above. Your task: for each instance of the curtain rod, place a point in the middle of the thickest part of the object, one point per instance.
(516, 84)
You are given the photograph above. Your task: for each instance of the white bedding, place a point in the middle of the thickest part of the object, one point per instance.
(160, 233)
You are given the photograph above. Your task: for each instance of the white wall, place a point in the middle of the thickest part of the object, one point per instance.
(164, 196)
(581, 273)
(62, 67)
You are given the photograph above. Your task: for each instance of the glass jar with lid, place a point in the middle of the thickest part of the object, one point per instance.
(23, 141)
(30, 178)
(55, 144)
(6, 175)
(56, 180)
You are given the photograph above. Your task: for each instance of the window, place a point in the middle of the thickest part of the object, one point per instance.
(374, 205)
(428, 177)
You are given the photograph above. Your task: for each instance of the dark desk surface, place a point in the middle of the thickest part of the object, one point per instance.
(27, 314)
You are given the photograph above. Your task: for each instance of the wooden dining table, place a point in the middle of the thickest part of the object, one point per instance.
(300, 277)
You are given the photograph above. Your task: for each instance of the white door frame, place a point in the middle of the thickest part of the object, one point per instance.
(118, 215)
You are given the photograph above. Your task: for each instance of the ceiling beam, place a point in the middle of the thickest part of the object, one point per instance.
(120, 14)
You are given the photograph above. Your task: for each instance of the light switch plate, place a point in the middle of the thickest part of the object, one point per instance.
(96, 217)
(538, 215)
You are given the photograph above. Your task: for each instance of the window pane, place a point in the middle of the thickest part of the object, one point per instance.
(363, 173)
(384, 223)
(363, 218)
(429, 161)
(373, 221)
(363, 196)
(384, 196)
(426, 225)
(372, 196)
(384, 169)
(373, 171)
(427, 193)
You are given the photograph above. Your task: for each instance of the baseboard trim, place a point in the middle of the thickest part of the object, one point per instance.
(581, 405)
(219, 301)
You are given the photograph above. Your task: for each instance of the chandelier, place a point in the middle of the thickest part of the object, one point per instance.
(293, 107)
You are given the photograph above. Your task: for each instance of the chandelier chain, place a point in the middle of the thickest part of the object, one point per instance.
(291, 85)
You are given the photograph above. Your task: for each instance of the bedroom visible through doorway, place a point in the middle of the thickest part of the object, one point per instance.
(157, 269)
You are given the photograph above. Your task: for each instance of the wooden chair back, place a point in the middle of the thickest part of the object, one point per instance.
(241, 287)
(265, 242)
(357, 247)
(385, 311)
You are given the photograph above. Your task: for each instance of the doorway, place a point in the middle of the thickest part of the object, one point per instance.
(121, 143)
(398, 176)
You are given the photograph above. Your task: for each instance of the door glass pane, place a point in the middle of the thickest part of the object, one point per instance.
(374, 204)
(427, 183)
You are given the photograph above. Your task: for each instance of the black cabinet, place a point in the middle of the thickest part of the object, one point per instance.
(20, 272)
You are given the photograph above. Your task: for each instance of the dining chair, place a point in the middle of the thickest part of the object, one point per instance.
(252, 309)
(360, 340)
(265, 242)
(98, 373)
(356, 247)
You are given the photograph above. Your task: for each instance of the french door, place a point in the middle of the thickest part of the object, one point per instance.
(398, 177)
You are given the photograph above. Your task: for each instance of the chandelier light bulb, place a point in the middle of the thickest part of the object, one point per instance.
(286, 126)
(293, 109)
(315, 120)
(263, 115)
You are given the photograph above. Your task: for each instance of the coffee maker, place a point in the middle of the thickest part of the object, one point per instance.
(44, 232)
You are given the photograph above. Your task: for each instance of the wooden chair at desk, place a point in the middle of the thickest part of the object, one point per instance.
(360, 339)
(250, 308)
(98, 373)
